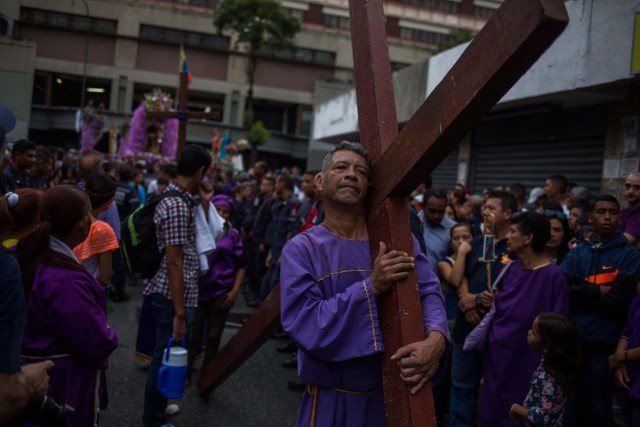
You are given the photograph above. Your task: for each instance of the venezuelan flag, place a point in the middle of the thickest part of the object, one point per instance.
(184, 67)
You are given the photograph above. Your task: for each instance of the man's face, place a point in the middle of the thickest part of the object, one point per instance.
(42, 167)
(307, 185)
(25, 160)
(632, 189)
(279, 187)
(605, 217)
(434, 210)
(346, 179)
(266, 187)
(551, 189)
(494, 206)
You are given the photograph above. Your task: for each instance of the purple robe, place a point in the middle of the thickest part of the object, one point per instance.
(66, 323)
(224, 262)
(510, 362)
(329, 311)
(632, 334)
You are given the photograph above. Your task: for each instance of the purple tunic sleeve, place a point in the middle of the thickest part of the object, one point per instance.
(433, 312)
(337, 327)
(434, 315)
(81, 321)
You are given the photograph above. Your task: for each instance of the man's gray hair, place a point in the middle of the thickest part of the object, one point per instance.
(355, 147)
(581, 193)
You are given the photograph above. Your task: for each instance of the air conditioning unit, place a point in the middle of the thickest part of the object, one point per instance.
(6, 26)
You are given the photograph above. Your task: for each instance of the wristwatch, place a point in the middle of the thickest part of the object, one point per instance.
(479, 299)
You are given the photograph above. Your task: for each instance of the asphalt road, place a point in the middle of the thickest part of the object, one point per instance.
(255, 395)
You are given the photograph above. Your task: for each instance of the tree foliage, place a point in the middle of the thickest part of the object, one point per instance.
(456, 37)
(258, 134)
(256, 24)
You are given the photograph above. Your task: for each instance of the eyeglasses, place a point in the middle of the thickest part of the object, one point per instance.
(555, 214)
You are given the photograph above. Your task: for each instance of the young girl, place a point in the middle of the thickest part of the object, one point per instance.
(556, 337)
(219, 287)
(451, 269)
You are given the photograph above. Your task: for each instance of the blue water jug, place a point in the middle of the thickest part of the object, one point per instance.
(173, 372)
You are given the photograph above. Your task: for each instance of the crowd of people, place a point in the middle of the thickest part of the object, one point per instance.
(528, 297)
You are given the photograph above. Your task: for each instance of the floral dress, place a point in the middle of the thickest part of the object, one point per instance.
(545, 400)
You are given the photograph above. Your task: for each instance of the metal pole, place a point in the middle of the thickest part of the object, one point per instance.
(86, 56)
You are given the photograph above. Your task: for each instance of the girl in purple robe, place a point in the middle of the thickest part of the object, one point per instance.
(65, 320)
(530, 285)
(218, 288)
(556, 337)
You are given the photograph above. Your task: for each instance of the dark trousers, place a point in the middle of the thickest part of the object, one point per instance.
(213, 315)
(253, 278)
(590, 401)
(120, 273)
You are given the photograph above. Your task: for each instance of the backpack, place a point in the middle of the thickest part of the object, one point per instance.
(139, 243)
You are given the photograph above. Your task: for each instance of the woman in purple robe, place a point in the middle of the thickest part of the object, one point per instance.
(530, 285)
(65, 319)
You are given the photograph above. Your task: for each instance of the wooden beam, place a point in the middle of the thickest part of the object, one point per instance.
(399, 311)
(510, 43)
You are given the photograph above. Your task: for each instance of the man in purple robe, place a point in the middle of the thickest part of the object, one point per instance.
(329, 304)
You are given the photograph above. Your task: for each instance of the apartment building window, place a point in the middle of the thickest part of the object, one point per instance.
(297, 13)
(65, 90)
(310, 56)
(445, 5)
(339, 22)
(188, 38)
(396, 66)
(68, 21)
(429, 37)
(483, 12)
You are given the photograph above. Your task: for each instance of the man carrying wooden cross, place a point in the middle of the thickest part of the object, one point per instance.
(329, 304)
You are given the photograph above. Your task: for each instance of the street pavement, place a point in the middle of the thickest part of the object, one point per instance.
(255, 395)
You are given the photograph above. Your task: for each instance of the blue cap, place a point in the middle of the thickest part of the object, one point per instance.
(7, 121)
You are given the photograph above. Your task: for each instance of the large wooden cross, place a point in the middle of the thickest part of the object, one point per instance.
(183, 114)
(512, 41)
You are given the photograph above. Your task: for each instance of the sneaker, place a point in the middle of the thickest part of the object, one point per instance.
(171, 410)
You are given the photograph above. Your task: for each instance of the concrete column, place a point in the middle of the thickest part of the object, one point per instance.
(621, 153)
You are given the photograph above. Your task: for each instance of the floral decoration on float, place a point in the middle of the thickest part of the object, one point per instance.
(158, 137)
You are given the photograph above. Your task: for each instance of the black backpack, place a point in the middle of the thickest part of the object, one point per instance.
(139, 243)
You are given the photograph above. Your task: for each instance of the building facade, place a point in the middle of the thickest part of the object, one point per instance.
(575, 112)
(62, 55)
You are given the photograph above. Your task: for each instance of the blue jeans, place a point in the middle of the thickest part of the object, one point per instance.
(466, 372)
(154, 402)
(590, 401)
